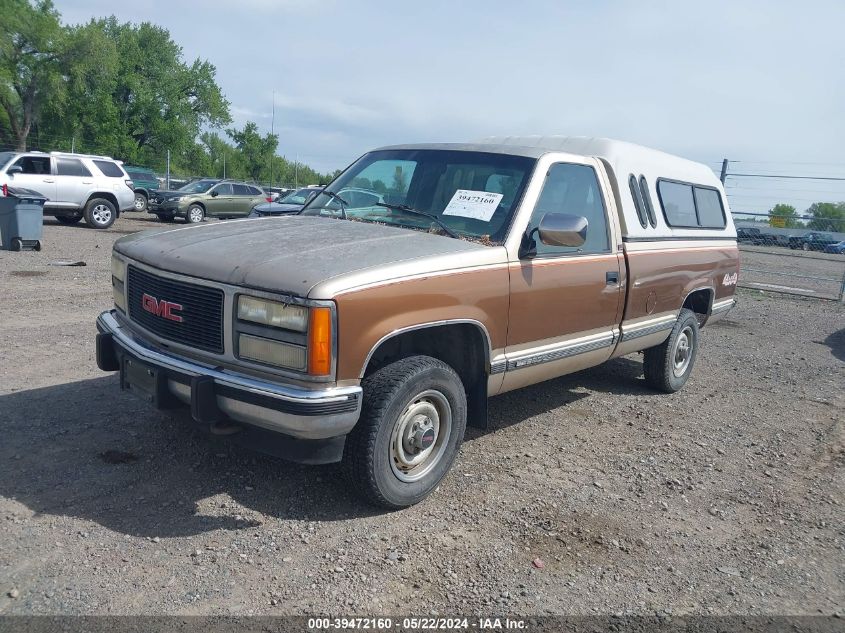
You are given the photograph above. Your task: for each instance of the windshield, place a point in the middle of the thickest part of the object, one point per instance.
(473, 193)
(200, 186)
(5, 157)
(296, 197)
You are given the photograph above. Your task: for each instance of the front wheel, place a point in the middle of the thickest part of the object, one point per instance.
(100, 213)
(140, 202)
(195, 214)
(412, 424)
(668, 366)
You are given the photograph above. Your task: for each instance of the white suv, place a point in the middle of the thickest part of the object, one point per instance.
(76, 185)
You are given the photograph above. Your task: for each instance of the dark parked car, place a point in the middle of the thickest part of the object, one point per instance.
(144, 182)
(775, 239)
(749, 236)
(291, 203)
(812, 241)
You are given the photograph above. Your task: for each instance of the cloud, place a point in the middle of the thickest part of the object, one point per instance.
(754, 80)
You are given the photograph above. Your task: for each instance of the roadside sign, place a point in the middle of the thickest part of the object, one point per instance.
(777, 221)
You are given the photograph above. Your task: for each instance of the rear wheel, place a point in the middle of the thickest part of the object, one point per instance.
(100, 213)
(412, 424)
(195, 214)
(140, 202)
(69, 219)
(668, 366)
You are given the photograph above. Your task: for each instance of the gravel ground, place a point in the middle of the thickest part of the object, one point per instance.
(589, 494)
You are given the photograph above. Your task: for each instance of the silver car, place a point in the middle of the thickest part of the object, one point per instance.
(76, 186)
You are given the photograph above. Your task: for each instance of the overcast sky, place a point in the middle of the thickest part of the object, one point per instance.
(759, 82)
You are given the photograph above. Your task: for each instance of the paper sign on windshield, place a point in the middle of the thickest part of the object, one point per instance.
(478, 205)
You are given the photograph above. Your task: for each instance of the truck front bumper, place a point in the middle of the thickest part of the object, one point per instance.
(310, 425)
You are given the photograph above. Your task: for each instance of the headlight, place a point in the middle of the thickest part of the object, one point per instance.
(271, 352)
(273, 313)
(118, 268)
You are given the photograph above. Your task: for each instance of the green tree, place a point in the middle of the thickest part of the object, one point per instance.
(132, 95)
(256, 150)
(827, 216)
(400, 182)
(786, 213)
(31, 65)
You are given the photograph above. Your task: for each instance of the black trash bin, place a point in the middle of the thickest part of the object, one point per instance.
(21, 218)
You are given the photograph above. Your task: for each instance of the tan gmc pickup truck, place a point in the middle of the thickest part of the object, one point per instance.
(373, 329)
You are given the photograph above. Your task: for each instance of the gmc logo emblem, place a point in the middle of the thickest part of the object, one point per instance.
(162, 308)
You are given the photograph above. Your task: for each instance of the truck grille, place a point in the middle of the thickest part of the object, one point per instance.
(182, 312)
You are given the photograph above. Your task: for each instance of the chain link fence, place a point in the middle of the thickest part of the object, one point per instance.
(798, 261)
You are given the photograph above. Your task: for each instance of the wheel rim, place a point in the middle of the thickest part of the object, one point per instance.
(195, 215)
(420, 436)
(140, 203)
(682, 352)
(101, 214)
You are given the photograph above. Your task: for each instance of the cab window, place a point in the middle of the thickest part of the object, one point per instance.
(34, 164)
(572, 189)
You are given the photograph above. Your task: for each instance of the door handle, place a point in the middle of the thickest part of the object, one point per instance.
(611, 277)
(49, 180)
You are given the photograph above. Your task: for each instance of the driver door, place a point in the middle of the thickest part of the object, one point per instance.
(565, 301)
(36, 174)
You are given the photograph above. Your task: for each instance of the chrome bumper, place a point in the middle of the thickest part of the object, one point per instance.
(300, 413)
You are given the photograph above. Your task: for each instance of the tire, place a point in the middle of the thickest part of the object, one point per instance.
(37, 245)
(165, 217)
(195, 214)
(388, 463)
(140, 201)
(668, 366)
(16, 244)
(805, 246)
(69, 219)
(99, 213)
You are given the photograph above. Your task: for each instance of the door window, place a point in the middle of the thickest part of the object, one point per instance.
(572, 189)
(34, 164)
(71, 167)
(224, 189)
(241, 190)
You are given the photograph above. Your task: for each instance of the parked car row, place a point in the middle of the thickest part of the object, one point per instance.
(812, 241)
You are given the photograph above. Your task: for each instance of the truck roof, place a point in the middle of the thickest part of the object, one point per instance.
(621, 159)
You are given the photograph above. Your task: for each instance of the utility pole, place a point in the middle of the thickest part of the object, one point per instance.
(724, 173)
(272, 133)
(296, 173)
(72, 144)
(167, 184)
(224, 164)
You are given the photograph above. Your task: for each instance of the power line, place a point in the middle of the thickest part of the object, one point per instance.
(841, 178)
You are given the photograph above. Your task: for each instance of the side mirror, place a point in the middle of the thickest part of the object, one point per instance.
(14, 169)
(214, 194)
(563, 229)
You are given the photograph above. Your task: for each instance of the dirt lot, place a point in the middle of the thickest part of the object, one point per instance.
(724, 498)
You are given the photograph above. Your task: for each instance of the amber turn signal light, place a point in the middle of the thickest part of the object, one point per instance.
(320, 342)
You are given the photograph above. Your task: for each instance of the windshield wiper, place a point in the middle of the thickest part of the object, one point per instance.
(342, 202)
(412, 211)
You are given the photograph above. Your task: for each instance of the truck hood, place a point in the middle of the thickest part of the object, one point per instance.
(292, 254)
